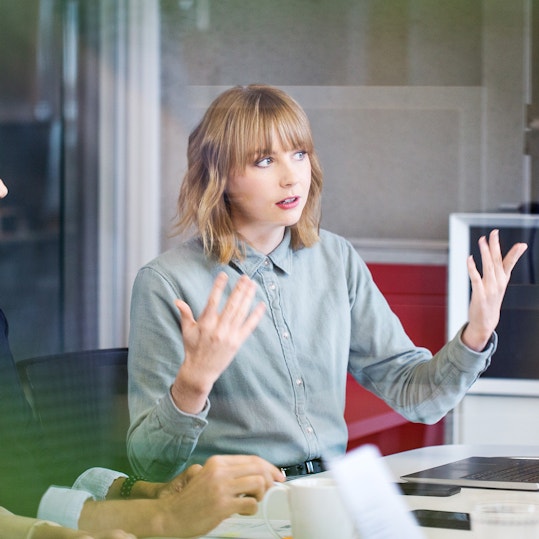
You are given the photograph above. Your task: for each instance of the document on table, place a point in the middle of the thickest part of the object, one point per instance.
(368, 492)
(249, 528)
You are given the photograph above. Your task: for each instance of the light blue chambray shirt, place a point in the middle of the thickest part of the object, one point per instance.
(283, 396)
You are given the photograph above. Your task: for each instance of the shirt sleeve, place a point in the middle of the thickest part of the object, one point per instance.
(63, 505)
(97, 481)
(161, 437)
(420, 386)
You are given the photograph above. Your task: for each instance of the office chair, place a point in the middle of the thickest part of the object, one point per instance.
(80, 399)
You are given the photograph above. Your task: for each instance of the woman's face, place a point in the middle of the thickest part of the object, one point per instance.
(269, 195)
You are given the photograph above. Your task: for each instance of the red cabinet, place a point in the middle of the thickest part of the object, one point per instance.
(418, 295)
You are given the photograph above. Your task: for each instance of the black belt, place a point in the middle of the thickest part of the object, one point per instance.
(304, 468)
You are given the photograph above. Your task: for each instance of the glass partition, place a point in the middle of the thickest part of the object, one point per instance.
(47, 156)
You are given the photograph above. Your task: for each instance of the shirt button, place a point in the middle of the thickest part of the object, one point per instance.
(309, 430)
(272, 286)
(266, 262)
(299, 382)
(285, 334)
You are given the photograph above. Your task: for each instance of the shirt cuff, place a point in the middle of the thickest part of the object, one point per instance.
(63, 505)
(487, 352)
(202, 415)
(97, 481)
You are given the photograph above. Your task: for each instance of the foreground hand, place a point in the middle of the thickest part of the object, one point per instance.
(488, 291)
(178, 483)
(211, 342)
(225, 485)
(195, 502)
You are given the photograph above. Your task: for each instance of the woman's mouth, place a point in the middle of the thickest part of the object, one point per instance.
(288, 203)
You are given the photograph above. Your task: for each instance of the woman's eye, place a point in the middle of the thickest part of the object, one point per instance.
(300, 155)
(265, 162)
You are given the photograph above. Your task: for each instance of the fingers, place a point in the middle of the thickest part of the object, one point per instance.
(246, 506)
(233, 484)
(183, 478)
(210, 311)
(473, 272)
(240, 299)
(235, 314)
(254, 319)
(494, 246)
(236, 309)
(512, 257)
(488, 289)
(245, 465)
(212, 340)
(216, 293)
(253, 486)
(494, 265)
(488, 253)
(244, 474)
(186, 315)
(191, 472)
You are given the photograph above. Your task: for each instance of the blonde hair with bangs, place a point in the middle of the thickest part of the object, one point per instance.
(238, 126)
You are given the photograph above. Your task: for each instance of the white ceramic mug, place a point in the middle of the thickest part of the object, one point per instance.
(315, 507)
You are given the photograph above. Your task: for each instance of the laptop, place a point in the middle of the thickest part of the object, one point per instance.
(507, 473)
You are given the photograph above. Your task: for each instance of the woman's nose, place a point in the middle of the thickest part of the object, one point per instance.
(288, 176)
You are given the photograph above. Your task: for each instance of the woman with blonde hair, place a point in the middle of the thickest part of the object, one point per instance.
(229, 138)
(242, 335)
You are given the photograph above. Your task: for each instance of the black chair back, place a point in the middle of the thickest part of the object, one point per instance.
(80, 399)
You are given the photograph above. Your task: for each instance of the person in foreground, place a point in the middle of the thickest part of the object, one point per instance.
(242, 335)
(23, 479)
(193, 503)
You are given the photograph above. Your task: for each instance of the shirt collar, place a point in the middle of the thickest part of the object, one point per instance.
(281, 257)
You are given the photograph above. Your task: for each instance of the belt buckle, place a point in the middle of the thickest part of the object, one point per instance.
(303, 468)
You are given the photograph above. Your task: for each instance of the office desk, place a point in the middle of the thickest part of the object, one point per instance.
(416, 459)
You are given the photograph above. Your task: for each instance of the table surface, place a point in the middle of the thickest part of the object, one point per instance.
(412, 461)
(417, 459)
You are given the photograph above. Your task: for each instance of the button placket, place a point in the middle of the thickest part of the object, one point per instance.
(271, 287)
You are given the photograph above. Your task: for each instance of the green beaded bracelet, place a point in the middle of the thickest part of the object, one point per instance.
(125, 491)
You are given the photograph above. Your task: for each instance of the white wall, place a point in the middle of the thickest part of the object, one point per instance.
(417, 107)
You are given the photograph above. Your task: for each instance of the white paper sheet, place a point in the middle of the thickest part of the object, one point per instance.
(368, 491)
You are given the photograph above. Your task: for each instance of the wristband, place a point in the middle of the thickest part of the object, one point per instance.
(125, 491)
